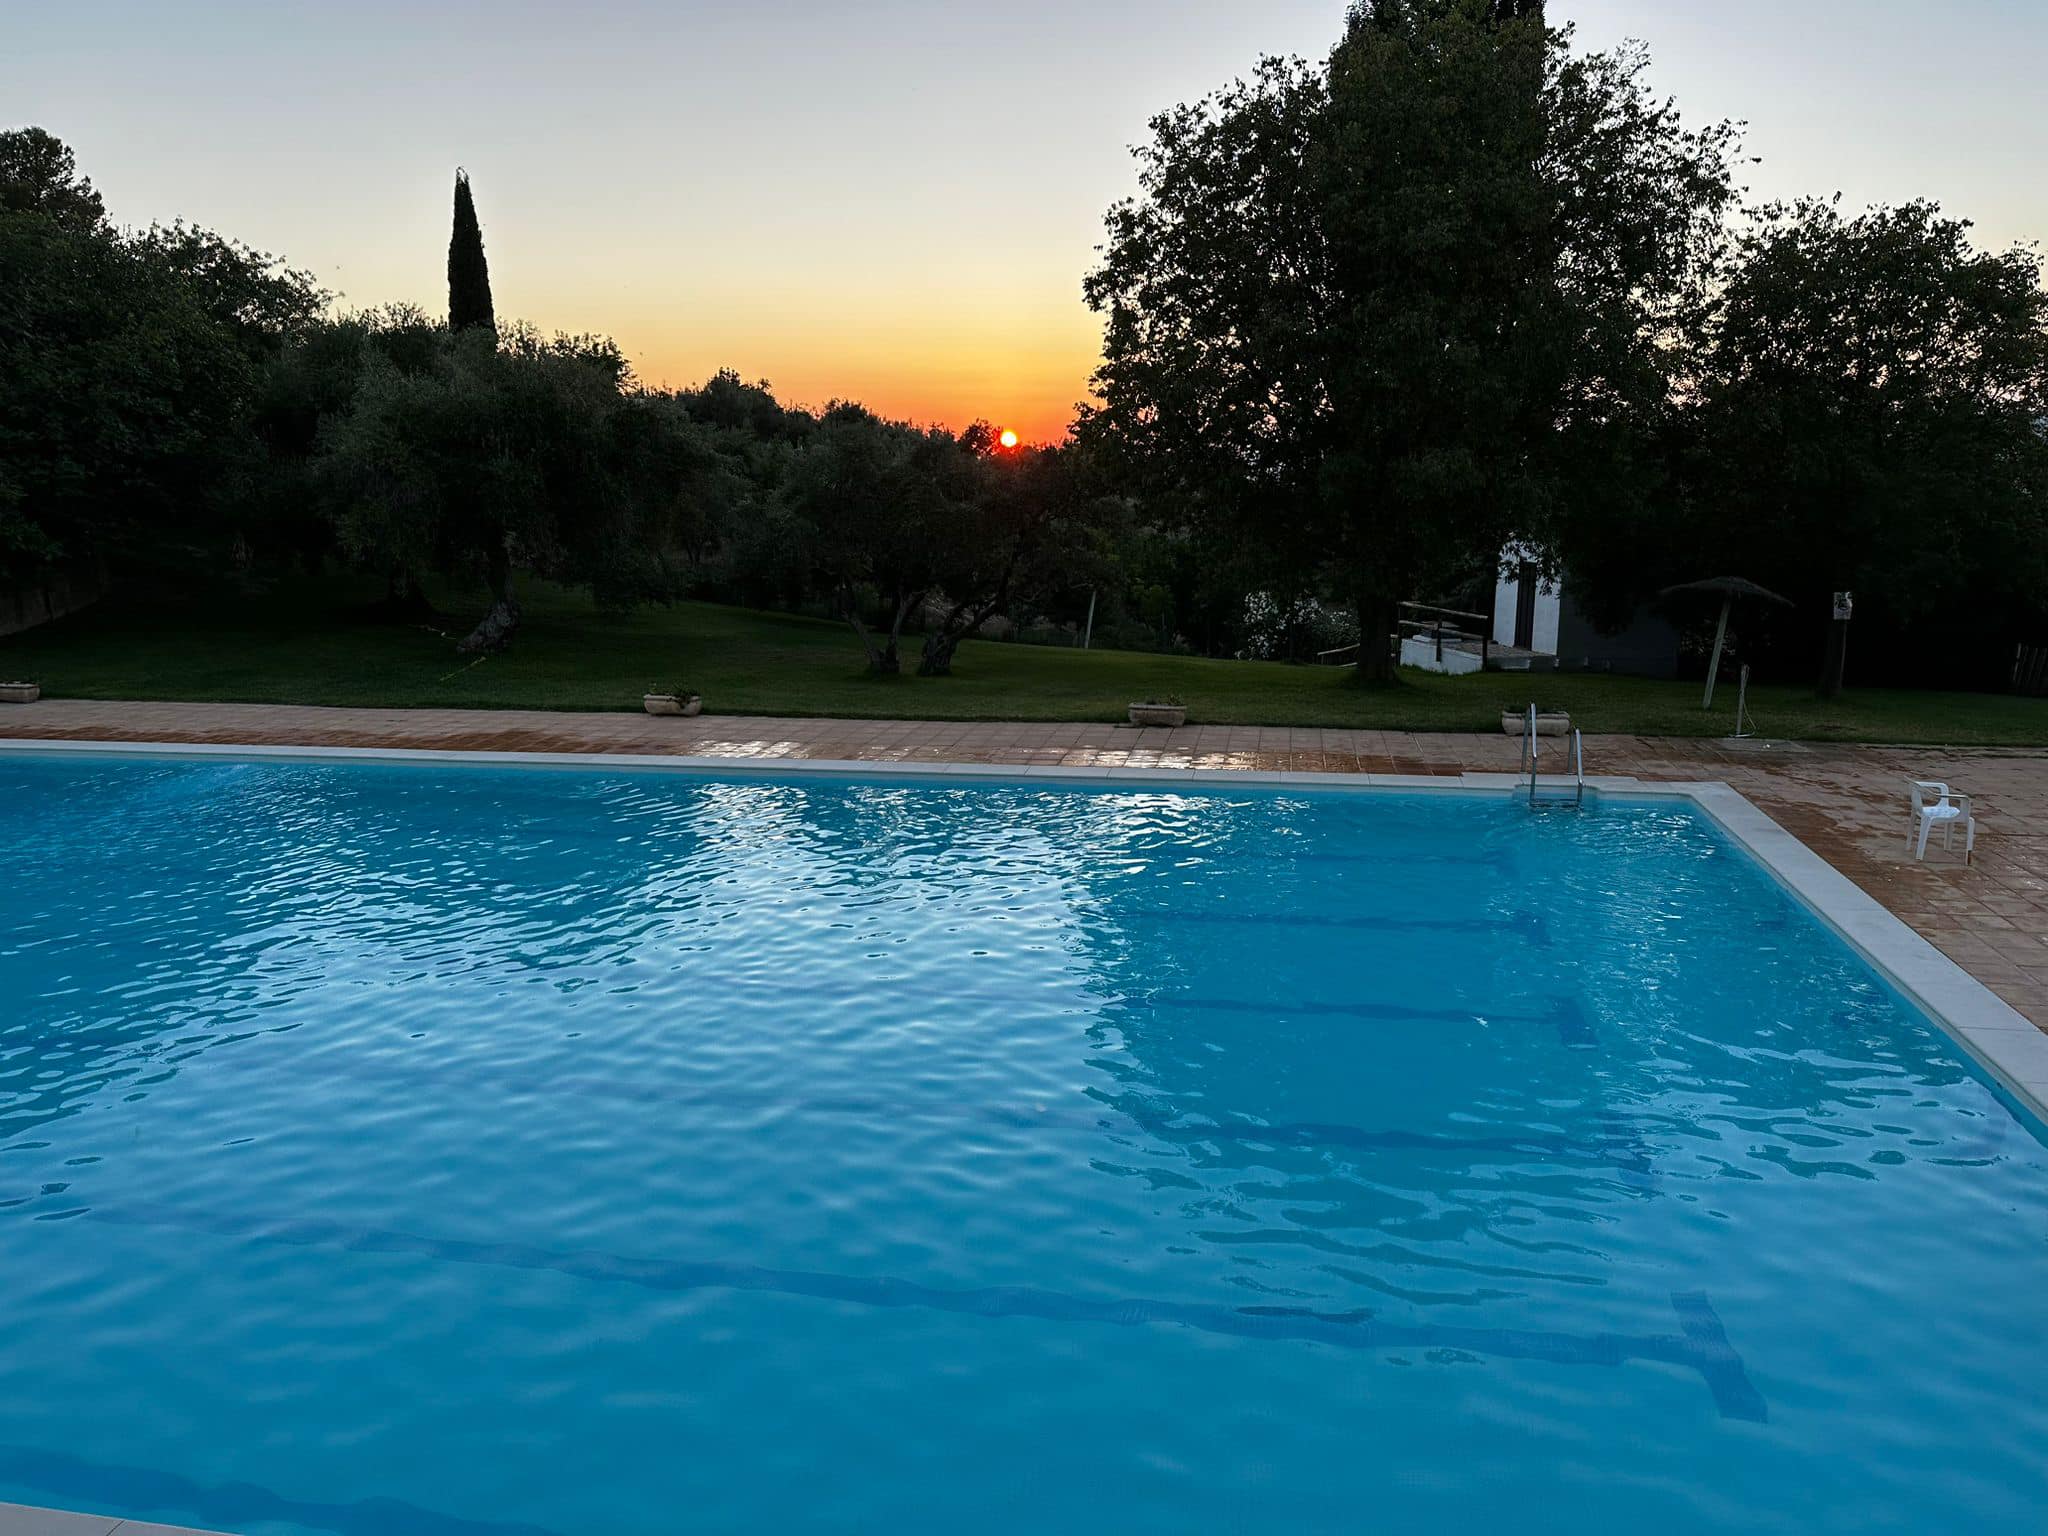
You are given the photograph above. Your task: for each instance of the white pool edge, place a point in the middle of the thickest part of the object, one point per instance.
(2002, 1041)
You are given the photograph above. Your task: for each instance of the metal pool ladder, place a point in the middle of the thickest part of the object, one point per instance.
(1557, 792)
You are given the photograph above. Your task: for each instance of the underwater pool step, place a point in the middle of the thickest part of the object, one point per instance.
(1701, 1344)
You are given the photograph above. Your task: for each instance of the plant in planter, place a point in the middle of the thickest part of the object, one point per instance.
(671, 700)
(20, 693)
(1515, 722)
(1167, 711)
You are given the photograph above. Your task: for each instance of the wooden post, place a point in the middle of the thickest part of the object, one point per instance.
(1714, 666)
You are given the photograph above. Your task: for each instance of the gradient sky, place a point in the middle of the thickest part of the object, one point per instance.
(893, 200)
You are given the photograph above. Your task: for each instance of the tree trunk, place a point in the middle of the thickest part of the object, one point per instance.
(1378, 617)
(942, 642)
(905, 602)
(403, 601)
(937, 657)
(962, 620)
(880, 661)
(884, 660)
(494, 630)
(1834, 660)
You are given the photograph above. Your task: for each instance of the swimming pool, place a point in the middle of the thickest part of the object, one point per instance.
(399, 1148)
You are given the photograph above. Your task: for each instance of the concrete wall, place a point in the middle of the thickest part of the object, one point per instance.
(25, 607)
(1420, 651)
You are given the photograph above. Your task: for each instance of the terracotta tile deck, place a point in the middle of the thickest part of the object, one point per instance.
(1846, 803)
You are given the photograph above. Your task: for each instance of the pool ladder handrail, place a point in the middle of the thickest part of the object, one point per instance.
(1530, 752)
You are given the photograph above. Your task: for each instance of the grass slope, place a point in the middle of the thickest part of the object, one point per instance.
(307, 645)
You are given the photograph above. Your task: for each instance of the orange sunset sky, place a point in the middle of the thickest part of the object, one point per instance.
(892, 202)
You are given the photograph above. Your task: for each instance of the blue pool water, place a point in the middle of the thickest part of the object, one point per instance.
(422, 1151)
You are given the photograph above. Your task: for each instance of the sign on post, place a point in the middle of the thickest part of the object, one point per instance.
(1838, 647)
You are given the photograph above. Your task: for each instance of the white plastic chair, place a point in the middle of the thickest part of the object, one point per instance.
(1935, 804)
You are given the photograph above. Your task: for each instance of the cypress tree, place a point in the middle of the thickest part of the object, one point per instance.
(469, 277)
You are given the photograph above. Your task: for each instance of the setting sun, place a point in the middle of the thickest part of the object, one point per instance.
(1008, 438)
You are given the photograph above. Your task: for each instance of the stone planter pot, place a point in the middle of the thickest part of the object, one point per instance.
(670, 704)
(1517, 722)
(20, 693)
(1159, 714)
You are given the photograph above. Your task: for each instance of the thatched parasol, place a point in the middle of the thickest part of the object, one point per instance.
(1729, 588)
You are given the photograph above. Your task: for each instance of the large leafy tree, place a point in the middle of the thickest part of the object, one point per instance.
(252, 295)
(117, 398)
(127, 367)
(1381, 316)
(1872, 415)
(262, 307)
(39, 174)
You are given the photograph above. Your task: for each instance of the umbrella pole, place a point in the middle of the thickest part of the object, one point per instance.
(1714, 666)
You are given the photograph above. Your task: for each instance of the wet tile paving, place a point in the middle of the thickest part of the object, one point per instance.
(1847, 803)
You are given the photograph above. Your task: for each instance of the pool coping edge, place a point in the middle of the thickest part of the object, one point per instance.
(2007, 1045)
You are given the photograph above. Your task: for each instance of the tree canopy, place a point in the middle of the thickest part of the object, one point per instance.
(1456, 290)
(1383, 315)
(128, 369)
(176, 405)
(39, 175)
(1872, 415)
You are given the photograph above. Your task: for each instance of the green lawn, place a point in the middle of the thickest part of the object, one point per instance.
(305, 645)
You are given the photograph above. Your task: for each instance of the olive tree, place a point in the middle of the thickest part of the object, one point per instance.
(495, 458)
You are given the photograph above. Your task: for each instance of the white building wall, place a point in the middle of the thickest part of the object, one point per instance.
(1504, 594)
(1549, 607)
